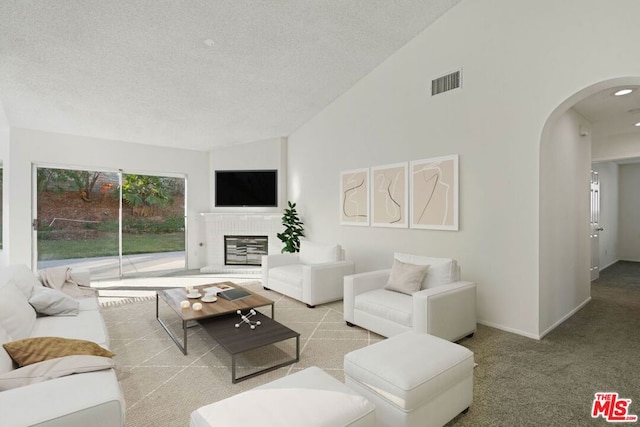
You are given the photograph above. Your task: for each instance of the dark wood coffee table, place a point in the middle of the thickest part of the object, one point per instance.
(237, 340)
(173, 297)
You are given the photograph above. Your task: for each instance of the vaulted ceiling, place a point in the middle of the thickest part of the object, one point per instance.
(194, 74)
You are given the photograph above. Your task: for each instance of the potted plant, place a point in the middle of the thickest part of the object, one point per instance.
(293, 229)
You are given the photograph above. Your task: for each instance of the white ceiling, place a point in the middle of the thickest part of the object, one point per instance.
(194, 74)
(610, 115)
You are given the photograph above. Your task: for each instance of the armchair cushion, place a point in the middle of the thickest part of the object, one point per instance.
(441, 270)
(393, 306)
(318, 253)
(291, 274)
(406, 278)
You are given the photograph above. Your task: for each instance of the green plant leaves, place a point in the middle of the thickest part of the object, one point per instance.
(293, 229)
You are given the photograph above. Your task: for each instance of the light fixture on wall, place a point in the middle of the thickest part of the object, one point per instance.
(637, 124)
(622, 92)
(584, 131)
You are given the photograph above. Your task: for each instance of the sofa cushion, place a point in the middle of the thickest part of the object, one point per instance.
(318, 253)
(33, 350)
(16, 315)
(389, 305)
(88, 304)
(54, 368)
(406, 278)
(52, 302)
(6, 363)
(290, 274)
(441, 270)
(87, 325)
(21, 276)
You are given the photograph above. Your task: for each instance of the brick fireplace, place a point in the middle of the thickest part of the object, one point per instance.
(237, 225)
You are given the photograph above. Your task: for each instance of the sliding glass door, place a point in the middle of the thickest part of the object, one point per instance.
(153, 224)
(113, 223)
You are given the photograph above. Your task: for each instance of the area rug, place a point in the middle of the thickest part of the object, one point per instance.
(162, 386)
(518, 382)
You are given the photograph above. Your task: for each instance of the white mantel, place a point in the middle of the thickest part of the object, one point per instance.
(218, 225)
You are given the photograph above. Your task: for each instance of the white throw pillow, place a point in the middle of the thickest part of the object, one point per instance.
(441, 270)
(406, 278)
(318, 253)
(21, 276)
(17, 317)
(53, 368)
(52, 302)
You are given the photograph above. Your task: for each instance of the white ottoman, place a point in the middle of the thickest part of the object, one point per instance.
(310, 398)
(413, 379)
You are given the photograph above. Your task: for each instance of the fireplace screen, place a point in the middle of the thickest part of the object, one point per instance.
(245, 250)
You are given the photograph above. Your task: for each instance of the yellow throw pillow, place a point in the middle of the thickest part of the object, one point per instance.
(33, 350)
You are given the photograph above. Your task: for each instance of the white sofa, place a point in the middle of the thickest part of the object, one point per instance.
(444, 305)
(92, 397)
(314, 275)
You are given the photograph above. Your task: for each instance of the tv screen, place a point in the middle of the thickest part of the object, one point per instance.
(248, 188)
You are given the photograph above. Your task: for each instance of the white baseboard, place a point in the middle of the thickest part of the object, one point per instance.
(609, 265)
(507, 329)
(565, 317)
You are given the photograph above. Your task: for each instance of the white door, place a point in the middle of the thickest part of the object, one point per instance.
(595, 225)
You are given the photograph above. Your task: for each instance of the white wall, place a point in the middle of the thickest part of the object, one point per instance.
(4, 155)
(267, 154)
(609, 213)
(629, 212)
(521, 60)
(617, 147)
(29, 147)
(565, 251)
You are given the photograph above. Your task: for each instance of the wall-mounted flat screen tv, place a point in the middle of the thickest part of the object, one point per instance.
(246, 188)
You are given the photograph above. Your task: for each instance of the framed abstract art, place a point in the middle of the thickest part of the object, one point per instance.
(389, 196)
(434, 193)
(354, 197)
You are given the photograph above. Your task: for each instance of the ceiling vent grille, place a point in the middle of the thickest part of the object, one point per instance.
(446, 83)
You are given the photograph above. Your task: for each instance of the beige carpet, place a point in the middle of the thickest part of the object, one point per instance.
(162, 386)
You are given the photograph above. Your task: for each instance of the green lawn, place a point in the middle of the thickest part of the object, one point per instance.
(108, 246)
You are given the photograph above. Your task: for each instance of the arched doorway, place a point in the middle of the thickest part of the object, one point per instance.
(564, 176)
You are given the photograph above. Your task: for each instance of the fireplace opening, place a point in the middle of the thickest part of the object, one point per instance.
(245, 250)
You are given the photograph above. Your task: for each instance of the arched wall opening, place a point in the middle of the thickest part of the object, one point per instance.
(564, 227)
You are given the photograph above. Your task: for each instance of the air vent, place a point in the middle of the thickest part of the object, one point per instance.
(445, 83)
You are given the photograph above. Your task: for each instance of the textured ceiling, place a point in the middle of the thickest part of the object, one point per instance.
(193, 74)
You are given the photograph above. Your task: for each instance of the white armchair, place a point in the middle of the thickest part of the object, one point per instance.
(315, 275)
(443, 305)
